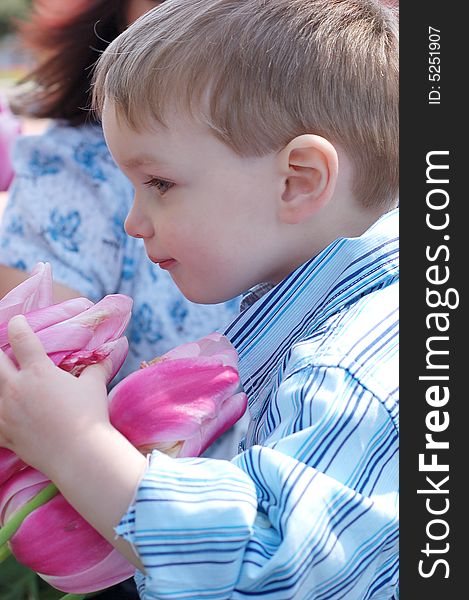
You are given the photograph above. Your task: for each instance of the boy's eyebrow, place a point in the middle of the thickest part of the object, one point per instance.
(142, 160)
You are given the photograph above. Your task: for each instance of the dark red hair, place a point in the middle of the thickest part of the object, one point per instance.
(66, 37)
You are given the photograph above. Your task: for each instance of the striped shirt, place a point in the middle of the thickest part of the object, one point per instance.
(309, 507)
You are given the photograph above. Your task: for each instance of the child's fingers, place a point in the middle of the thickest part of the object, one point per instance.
(25, 344)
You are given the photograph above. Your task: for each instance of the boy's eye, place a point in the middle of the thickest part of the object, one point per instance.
(160, 184)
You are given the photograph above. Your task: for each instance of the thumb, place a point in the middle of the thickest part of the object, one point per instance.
(117, 352)
(100, 372)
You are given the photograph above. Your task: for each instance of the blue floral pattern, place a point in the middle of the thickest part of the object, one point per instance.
(178, 311)
(118, 230)
(146, 325)
(152, 271)
(43, 163)
(21, 265)
(90, 158)
(15, 227)
(128, 268)
(64, 228)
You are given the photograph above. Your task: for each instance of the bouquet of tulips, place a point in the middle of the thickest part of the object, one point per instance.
(178, 403)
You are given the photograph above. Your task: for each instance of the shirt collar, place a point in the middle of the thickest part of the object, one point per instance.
(254, 294)
(338, 276)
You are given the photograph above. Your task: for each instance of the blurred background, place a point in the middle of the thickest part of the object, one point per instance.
(14, 62)
(17, 582)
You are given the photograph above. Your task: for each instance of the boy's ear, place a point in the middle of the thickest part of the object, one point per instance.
(309, 164)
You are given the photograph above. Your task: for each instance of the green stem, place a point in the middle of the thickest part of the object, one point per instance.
(5, 552)
(13, 524)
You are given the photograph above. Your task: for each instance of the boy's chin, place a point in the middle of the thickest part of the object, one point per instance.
(207, 296)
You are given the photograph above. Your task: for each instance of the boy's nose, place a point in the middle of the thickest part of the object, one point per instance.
(137, 224)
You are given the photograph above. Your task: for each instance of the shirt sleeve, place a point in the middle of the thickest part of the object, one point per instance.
(67, 206)
(312, 513)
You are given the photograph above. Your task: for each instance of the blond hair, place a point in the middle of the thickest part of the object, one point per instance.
(261, 72)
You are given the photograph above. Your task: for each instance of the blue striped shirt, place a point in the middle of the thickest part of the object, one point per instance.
(309, 507)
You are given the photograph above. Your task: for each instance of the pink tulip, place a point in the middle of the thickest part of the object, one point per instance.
(9, 464)
(75, 333)
(10, 128)
(49, 315)
(90, 336)
(33, 293)
(182, 402)
(102, 322)
(56, 542)
(116, 350)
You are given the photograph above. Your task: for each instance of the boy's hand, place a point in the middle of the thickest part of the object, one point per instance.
(59, 424)
(44, 410)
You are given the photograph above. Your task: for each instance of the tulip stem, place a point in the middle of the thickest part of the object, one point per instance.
(13, 524)
(5, 552)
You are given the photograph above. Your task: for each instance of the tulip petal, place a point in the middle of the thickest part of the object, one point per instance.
(116, 350)
(49, 315)
(169, 400)
(231, 411)
(103, 322)
(108, 318)
(33, 293)
(9, 464)
(111, 570)
(55, 539)
(214, 345)
(18, 489)
(59, 342)
(118, 354)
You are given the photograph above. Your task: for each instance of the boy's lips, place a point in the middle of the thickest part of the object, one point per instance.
(163, 263)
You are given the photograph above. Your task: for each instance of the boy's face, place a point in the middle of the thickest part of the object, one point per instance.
(207, 215)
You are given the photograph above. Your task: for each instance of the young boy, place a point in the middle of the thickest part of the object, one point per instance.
(261, 139)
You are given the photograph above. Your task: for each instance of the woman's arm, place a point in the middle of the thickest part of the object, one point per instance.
(10, 277)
